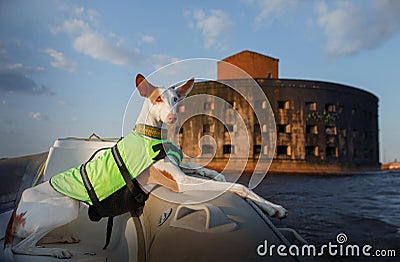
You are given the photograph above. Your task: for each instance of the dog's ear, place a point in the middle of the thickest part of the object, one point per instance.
(184, 89)
(144, 87)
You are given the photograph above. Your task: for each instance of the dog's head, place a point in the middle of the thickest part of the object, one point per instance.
(163, 100)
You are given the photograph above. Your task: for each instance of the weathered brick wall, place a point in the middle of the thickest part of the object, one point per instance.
(321, 127)
(256, 65)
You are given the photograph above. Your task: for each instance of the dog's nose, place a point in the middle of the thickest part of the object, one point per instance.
(171, 118)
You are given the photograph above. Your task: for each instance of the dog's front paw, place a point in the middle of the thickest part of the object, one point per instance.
(281, 212)
(273, 210)
(220, 177)
(212, 174)
(70, 239)
(61, 253)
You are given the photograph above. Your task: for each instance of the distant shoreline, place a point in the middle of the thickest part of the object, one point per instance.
(391, 166)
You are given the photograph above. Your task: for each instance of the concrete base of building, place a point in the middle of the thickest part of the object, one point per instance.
(291, 167)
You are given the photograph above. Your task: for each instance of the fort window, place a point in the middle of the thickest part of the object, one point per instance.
(283, 150)
(284, 105)
(264, 104)
(344, 152)
(264, 128)
(341, 109)
(366, 153)
(260, 104)
(228, 128)
(228, 149)
(331, 151)
(355, 153)
(208, 106)
(208, 128)
(355, 133)
(330, 108)
(181, 109)
(330, 140)
(284, 129)
(207, 149)
(331, 130)
(312, 151)
(343, 132)
(312, 129)
(312, 106)
(230, 104)
(268, 75)
(265, 149)
(257, 150)
(180, 135)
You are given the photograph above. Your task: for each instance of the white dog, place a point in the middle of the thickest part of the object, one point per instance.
(43, 208)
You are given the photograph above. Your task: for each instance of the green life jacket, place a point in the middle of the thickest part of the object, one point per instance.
(137, 152)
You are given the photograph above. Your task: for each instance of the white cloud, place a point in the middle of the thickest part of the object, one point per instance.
(215, 28)
(159, 61)
(92, 15)
(3, 54)
(61, 102)
(78, 10)
(148, 39)
(89, 42)
(351, 28)
(89, 14)
(269, 8)
(75, 26)
(60, 60)
(97, 47)
(20, 68)
(38, 116)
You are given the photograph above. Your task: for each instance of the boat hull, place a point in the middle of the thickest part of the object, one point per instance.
(172, 227)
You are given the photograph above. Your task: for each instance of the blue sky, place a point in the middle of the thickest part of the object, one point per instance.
(67, 67)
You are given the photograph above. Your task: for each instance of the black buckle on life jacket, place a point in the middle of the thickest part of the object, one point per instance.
(164, 148)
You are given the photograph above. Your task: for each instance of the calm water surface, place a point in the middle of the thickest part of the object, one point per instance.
(365, 207)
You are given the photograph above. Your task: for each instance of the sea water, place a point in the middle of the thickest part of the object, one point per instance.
(364, 207)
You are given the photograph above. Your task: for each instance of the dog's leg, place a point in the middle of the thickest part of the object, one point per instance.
(69, 239)
(28, 246)
(188, 183)
(192, 168)
(41, 210)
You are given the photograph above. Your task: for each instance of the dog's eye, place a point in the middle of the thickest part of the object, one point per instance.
(175, 99)
(159, 99)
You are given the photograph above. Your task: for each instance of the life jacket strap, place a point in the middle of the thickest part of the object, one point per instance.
(131, 183)
(93, 197)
